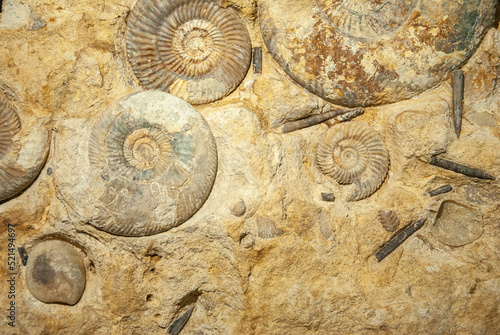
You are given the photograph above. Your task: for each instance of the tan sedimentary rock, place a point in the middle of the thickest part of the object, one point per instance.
(320, 275)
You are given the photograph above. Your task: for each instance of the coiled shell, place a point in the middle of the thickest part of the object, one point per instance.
(23, 150)
(354, 153)
(193, 49)
(372, 52)
(389, 220)
(150, 164)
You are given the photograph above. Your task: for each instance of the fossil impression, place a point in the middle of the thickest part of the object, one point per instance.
(55, 273)
(372, 52)
(389, 220)
(193, 49)
(354, 153)
(150, 166)
(23, 150)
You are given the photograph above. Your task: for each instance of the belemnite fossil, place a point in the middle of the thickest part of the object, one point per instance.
(55, 272)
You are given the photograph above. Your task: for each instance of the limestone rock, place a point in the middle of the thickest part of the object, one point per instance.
(55, 273)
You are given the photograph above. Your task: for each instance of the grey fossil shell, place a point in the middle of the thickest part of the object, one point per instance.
(457, 224)
(150, 165)
(354, 153)
(193, 49)
(55, 273)
(23, 151)
(389, 220)
(372, 52)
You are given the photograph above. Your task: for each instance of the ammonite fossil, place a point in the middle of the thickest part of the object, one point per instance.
(24, 145)
(372, 52)
(55, 273)
(354, 153)
(147, 165)
(193, 49)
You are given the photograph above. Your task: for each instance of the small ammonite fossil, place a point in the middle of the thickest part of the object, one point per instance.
(148, 165)
(23, 149)
(55, 273)
(354, 153)
(193, 49)
(389, 220)
(360, 53)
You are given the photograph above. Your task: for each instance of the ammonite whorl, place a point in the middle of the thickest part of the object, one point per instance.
(354, 153)
(193, 49)
(150, 164)
(372, 52)
(23, 150)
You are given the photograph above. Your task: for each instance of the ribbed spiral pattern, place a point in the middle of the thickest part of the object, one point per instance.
(193, 49)
(354, 153)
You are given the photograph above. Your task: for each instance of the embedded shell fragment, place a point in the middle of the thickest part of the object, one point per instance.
(193, 49)
(150, 165)
(55, 273)
(24, 145)
(389, 220)
(372, 52)
(354, 153)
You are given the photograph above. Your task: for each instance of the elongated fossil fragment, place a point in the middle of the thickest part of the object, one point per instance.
(459, 168)
(440, 190)
(317, 119)
(458, 96)
(399, 239)
(180, 323)
(257, 60)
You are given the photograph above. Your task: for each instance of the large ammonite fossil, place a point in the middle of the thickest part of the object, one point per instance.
(24, 145)
(193, 49)
(354, 153)
(372, 52)
(148, 165)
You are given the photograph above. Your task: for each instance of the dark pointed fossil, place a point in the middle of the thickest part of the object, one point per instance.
(440, 190)
(398, 239)
(458, 96)
(328, 197)
(459, 168)
(23, 254)
(257, 60)
(319, 118)
(179, 324)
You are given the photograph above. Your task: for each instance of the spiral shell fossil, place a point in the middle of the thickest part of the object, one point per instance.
(150, 165)
(193, 49)
(372, 52)
(389, 220)
(23, 151)
(354, 153)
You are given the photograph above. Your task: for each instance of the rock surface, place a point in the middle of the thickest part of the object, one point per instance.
(317, 274)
